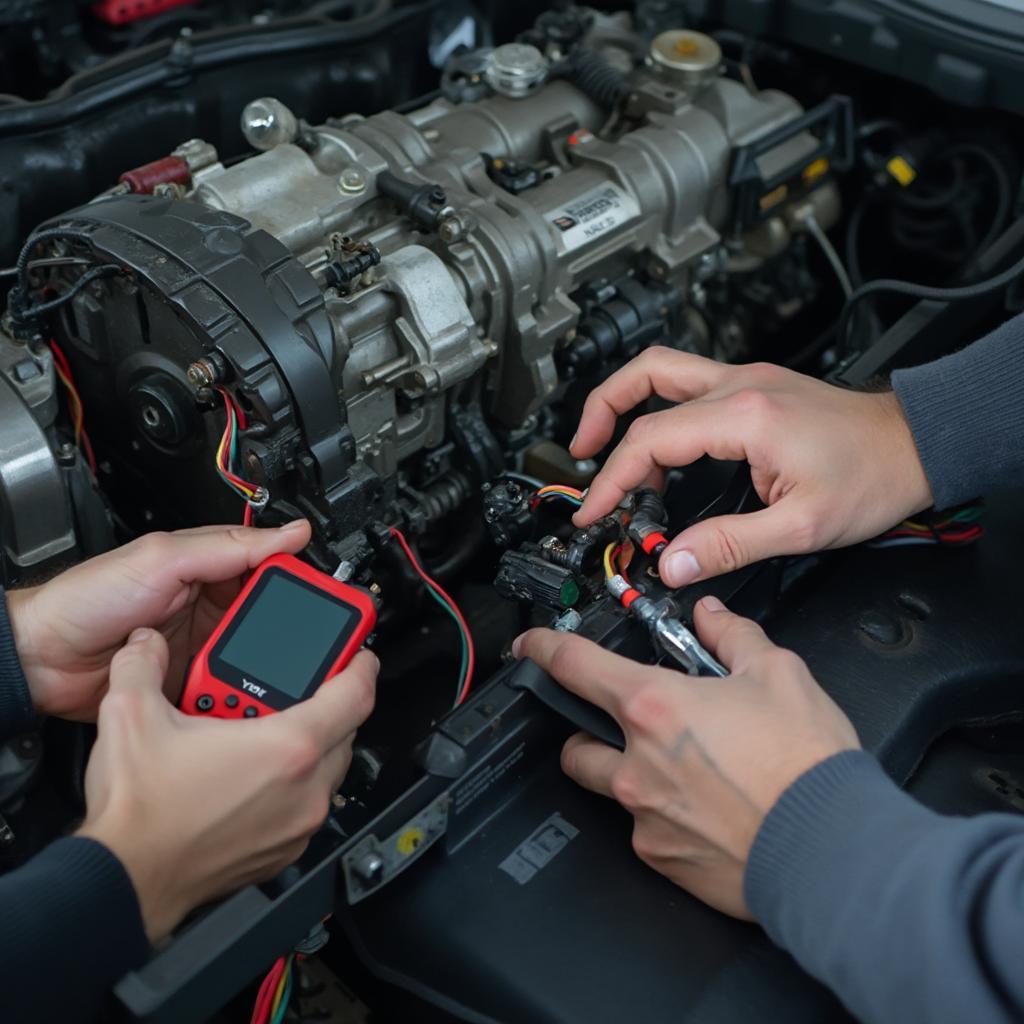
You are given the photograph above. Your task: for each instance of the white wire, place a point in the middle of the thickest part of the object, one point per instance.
(535, 482)
(810, 222)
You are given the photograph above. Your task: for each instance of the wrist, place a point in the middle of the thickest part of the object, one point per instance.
(151, 874)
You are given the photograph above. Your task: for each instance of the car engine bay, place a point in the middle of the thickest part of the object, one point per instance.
(362, 263)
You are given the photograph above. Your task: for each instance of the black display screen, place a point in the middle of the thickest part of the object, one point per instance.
(286, 636)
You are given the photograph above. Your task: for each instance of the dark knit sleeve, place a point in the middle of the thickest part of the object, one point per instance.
(966, 413)
(16, 713)
(907, 915)
(72, 928)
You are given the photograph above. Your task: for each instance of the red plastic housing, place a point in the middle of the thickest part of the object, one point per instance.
(124, 12)
(207, 695)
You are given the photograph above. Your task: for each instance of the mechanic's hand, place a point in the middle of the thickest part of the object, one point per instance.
(197, 807)
(834, 467)
(705, 759)
(67, 630)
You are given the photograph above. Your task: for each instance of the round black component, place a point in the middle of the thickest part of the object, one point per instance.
(250, 712)
(205, 702)
(231, 700)
(162, 409)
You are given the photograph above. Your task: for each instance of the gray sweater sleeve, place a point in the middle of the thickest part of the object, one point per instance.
(966, 412)
(905, 914)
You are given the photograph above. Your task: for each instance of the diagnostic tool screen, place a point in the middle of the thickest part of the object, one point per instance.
(286, 633)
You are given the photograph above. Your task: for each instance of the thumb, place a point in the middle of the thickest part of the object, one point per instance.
(141, 664)
(725, 543)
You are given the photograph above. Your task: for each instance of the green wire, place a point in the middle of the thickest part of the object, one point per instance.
(285, 996)
(462, 637)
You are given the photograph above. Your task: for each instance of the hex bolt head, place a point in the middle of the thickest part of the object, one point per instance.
(352, 180)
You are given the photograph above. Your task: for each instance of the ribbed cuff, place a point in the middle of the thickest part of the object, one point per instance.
(73, 905)
(16, 713)
(966, 413)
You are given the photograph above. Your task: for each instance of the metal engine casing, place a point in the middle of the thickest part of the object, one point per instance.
(471, 313)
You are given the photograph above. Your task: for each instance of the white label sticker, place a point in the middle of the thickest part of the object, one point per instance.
(592, 215)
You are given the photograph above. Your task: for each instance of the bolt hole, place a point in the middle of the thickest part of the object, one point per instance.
(150, 417)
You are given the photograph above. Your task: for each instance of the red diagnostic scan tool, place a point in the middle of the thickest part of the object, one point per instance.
(290, 628)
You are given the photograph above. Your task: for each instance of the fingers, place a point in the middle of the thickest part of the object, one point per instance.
(724, 543)
(663, 440)
(596, 675)
(340, 705)
(735, 641)
(590, 763)
(216, 553)
(141, 663)
(674, 376)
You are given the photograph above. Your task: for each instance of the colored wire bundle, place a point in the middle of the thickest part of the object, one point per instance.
(435, 590)
(75, 405)
(253, 495)
(954, 529)
(612, 555)
(570, 494)
(272, 999)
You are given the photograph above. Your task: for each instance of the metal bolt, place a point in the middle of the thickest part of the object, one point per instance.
(375, 589)
(450, 229)
(202, 373)
(370, 868)
(352, 180)
(338, 801)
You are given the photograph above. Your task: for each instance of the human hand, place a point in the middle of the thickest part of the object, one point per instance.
(68, 630)
(833, 466)
(195, 808)
(705, 759)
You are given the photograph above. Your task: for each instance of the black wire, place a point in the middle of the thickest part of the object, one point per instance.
(23, 315)
(920, 291)
(19, 293)
(1004, 201)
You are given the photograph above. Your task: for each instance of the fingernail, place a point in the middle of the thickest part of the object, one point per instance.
(140, 636)
(516, 645)
(680, 568)
(712, 604)
(572, 443)
(295, 524)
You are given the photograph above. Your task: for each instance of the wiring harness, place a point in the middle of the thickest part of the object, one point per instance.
(954, 528)
(254, 496)
(440, 595)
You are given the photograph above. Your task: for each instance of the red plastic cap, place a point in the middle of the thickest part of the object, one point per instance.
(651, 541)
(145, 178)
(124, 12)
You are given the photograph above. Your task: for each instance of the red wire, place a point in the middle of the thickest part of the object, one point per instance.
(471, 660)
(265, 996)
(247, 515)
(62, 361)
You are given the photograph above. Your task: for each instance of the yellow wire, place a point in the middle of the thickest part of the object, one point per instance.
(280, 988)
(76, 402)
(609, 570)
